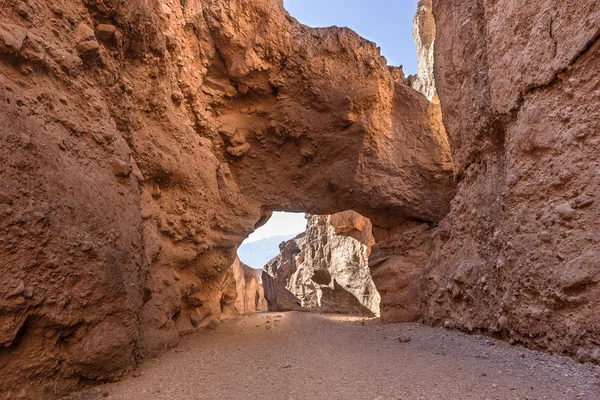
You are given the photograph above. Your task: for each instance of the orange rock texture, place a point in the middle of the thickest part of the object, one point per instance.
(142, 141)
(250, 296)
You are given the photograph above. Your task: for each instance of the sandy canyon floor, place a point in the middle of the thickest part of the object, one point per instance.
(283, 356)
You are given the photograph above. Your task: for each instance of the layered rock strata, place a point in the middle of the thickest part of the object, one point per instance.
(325, 269)
(142, 141)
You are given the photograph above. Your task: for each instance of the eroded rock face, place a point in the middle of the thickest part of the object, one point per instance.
(518, 254)
(401, 254)
(424, 33)
(74, 275)
(250, 293)
(397, 263)
(325, 269)
(143, 140)
(288, 104)
(278, 272)
(141, 143)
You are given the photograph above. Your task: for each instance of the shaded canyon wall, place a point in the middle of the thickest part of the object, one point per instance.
(519, 253)
(250, 295)
(401, 253)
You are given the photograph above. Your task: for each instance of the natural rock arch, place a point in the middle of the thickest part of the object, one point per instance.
(165, 134)
(132, 165)
(308, 120)
(298, 119)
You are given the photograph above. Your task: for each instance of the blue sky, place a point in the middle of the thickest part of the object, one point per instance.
(280, 224)
(385, 22)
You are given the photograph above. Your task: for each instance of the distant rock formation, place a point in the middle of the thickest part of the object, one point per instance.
(424, 33)
(325, 269)
(250, 296)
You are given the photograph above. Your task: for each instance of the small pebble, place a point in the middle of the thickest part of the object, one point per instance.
(565, 211)
(404, 338)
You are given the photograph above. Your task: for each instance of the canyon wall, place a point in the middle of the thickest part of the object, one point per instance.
(401, 253)
(142, 141)
(325, 269)
(519, 253)
(397, 263)
(250, 295)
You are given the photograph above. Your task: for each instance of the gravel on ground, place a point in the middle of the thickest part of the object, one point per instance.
(290, 356)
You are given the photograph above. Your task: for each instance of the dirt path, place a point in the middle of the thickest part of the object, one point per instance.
(283, 356)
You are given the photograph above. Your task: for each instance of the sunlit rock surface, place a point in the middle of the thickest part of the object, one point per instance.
(325, 269)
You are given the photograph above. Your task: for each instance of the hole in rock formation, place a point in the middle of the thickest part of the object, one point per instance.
(263, 244)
